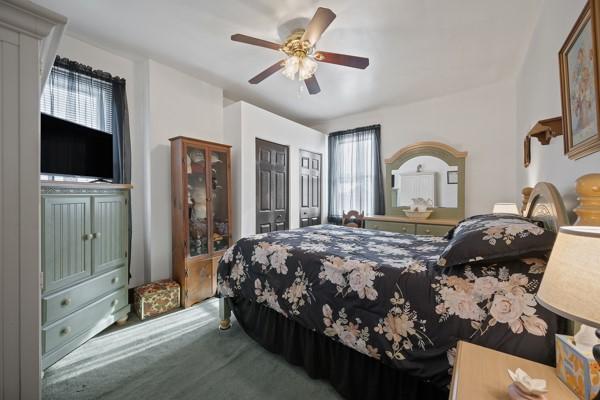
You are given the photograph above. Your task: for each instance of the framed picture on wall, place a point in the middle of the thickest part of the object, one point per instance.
(579, 83)
(452, 177)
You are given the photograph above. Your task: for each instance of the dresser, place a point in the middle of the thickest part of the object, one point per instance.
(84, 263)
(200, 214)
(433, 226)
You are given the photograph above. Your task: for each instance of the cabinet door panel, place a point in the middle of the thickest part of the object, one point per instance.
(66, 246)
(109, 228)
(198, 281)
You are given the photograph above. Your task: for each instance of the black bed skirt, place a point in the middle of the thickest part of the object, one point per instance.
(352, 374)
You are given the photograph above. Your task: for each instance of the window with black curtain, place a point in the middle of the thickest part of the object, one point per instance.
(355, 176)
(93, 98)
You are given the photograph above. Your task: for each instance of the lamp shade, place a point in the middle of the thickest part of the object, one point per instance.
(571, 283)
(505, 208)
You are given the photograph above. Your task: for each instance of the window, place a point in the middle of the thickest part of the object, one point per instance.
(355, 179)
(78, 98)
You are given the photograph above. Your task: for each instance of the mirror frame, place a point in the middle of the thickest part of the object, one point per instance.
(434, 149)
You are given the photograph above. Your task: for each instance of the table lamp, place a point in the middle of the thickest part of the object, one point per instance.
(505, 208)
(571, 283)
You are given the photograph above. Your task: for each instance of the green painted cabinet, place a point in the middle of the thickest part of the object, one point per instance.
(109, 231)
(66, 240)
(84, 263)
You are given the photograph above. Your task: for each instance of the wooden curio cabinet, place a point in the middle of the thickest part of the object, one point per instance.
(201, 214)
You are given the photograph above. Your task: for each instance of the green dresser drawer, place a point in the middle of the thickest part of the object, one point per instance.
(66, 329)
(61, 304)
(399, 227)
(432, 230)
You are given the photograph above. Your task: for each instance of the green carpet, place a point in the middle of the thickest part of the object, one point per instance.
(180, 356)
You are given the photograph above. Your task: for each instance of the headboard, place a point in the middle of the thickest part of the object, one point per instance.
(546, 205)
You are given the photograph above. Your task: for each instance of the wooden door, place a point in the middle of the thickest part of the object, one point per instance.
(66, 240)
(272, 188)
(109, 230)
(310, 188)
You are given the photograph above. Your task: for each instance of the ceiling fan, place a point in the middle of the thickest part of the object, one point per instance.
(299, 47)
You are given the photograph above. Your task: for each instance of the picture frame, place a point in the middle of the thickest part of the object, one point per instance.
(452, 177)
(580, 86)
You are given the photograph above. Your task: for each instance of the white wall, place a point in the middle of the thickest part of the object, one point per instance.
(538, 97)
(244, 123)
(125, 68)
(480, 121)
(179, 105)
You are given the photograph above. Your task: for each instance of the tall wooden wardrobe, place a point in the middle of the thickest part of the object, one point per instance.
(201, 214)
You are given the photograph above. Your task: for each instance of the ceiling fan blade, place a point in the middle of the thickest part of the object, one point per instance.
(317, 25)
(342, 59)
(238, 37)
(267, 72)
(312, 85)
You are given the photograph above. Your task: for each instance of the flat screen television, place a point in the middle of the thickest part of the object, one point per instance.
(75, 150)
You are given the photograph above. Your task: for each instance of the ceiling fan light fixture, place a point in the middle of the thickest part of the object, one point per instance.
(302, 67)
(290, 67)
(308, 67)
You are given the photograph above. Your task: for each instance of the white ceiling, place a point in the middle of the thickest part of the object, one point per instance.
(418, 49)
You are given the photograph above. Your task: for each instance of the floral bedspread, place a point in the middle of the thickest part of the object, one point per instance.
(382, 294)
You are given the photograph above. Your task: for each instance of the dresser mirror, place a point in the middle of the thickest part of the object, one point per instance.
(430, 171)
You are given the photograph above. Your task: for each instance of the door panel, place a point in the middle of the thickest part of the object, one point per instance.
(110, 232)
(272, 187)
(198, 281)
(66, 240)
(310, 188)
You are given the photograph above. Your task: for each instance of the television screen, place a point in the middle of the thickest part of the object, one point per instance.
(72, 149)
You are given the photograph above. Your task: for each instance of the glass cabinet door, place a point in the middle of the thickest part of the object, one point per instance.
(197, 201)
(220, 199)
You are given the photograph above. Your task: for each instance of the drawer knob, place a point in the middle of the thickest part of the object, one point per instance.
(65, 302)
(114, 280)
(88, 236)
(114, 302)
(427, 230)
(403, 229)
(97, 235)
(65, 331)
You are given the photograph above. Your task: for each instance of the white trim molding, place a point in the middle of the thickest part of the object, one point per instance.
(29, 36)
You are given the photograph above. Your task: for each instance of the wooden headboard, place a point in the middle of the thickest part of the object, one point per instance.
(546, 205)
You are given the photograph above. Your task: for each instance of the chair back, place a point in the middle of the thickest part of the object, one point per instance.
(354, 219)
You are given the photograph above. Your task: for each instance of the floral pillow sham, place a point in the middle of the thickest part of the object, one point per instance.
(493, 237)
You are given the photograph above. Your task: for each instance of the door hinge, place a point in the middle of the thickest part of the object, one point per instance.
(126, 254)
(126, 201)
(41, 280)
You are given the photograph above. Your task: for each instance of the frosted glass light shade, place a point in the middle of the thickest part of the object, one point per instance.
(505, 208)
(571, 284)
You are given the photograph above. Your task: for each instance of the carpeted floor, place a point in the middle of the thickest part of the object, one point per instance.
(180, 356)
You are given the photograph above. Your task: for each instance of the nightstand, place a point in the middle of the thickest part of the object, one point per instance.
(480, 373)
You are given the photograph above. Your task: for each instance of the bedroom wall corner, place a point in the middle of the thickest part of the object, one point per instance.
(538, 97)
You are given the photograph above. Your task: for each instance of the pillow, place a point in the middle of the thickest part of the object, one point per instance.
(494, 237)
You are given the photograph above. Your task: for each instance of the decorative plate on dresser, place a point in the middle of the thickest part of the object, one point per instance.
(421, 173)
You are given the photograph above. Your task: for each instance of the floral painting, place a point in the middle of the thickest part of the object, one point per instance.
(384, 295)
(578, 65)
(582, 86)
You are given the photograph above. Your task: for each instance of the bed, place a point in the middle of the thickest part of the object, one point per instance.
(375, 313)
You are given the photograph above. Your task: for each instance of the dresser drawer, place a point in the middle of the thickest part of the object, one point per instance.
(63, 303)
(64, 330)
(433, 230)
(399, 227)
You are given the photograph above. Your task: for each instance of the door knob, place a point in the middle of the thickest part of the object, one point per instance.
(97, 235)
(88, 236)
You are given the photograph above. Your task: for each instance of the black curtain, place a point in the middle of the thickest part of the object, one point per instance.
(355, 176)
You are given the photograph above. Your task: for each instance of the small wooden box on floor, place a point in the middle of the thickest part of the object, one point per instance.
(156, 298)
(481, 373)
(200, 214)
